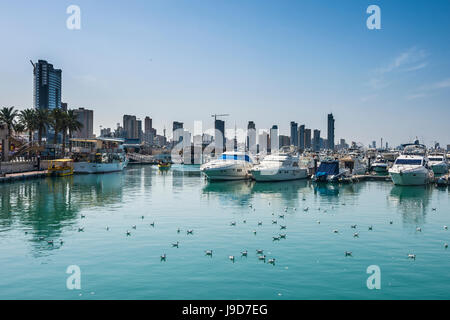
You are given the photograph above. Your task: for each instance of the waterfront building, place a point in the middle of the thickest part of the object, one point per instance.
(86, 118)
(301, 137)
(177, 131)
(307, 138)
(294, 134)
(139, 130)
(251, 137)
(130, 127)
(263, 142)
(105, 132)
(219, 135)
(316, 140)
(330, 137)
(284, 141)
(47, 85)
(274, 143)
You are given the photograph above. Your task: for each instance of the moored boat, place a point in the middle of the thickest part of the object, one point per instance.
(279, 167)
(231, 165)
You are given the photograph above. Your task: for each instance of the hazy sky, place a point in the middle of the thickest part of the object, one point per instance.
(266, 61)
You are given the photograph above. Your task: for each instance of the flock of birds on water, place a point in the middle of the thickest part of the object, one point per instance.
(259, 252)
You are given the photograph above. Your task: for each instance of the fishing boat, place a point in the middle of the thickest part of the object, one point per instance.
(279, 167)
(60, 168)
(411, 167)
(164, 165)
(232, 165)
(100, 155)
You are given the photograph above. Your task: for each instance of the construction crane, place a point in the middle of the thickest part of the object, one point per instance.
(219, 115)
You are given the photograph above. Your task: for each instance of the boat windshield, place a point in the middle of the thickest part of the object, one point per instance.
(435, 159)
(411, 162)
(235, 157)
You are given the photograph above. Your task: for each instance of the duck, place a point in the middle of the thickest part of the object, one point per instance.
(418, 229)
(271, 261)
(412, 256)
(190, 232)
(274, 222)
(152, 224)
(50, 242)
(244, 253)
(282, 227)
(81, 229)
(370, 228)
(445, 228)
(128, 233)
(107, 228)
(335, 231)
(254, 231)
(175, 245)
(348, 253)
(445, 245)
(163, 257)
(318, 221)
(276, 238)
(208, 252)
(263, 257)
(134, 227)
(259, 251)
(233, 224)
(260, 223)
(391, 222)
(83, 216)
(353, 226)
(283, 236)
(178, 230)
(356, 235)
(306, 209)
(231, 258)
(281, 216)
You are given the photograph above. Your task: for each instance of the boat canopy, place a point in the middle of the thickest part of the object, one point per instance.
(413, 162)
(328, 168)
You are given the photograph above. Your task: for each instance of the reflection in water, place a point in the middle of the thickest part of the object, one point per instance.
(237, 191)
(411, 201)
(43, 208)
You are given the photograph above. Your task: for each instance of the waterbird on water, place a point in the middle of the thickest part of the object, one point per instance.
(418, 229)
(260, 223)
(231, 258)
(412, 256)
(163, 257)
(391, 222)
(176, 244)
(259, 251)
(190, 232)
(134, 227)
(348, 253)
(208, 252)
(107, 228)
(233, 223)
(263, 257)
(50, 242)
(244, 253)
(353, 226)
(254, 231)
(282, 227)
(83, 216)
(445, 245)
(306, 209)
(276, 238)
(281, 216)
(356, 235)
(283, 236)
(370, 228)
(335, 231)
(152, 224)
(445, 228)
(274, 222)
(81, 229)
(128, 233)
(272, 261)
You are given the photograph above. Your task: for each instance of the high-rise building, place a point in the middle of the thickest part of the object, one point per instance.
(148, 124)
(316, 140)
(274, 142)
(294, 134)
(130, 127)
(301, 137)
(251, 137)
(47, 84)
(263, 142)
(284, 141)
(177, 131)
(330, 137)
(307, 138)
(139, 130)
(86, 118)
(219, 135)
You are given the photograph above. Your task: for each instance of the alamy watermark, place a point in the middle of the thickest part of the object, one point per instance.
(73, 22)
(74, 280)
(374, 280)
(374, 20)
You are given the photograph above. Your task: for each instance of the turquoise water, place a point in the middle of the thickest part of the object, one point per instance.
(310, 262)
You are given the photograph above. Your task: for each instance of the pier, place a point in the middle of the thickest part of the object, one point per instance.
(23, 176)
(443, 180)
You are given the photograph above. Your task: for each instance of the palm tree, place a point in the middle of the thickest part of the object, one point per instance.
(42, 121)
(56, 120)
(27, 118)
(72, 125)
(8, 118)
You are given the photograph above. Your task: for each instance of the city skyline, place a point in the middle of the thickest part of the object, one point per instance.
(266, 62)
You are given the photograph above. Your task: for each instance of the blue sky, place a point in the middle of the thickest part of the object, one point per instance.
(266, 61)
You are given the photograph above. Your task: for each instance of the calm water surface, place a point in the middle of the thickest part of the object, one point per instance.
(310, 262)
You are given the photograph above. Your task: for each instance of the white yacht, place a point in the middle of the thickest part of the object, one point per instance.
(380, 165)
(438, 163)
(232, 165)
(279, 167)
(354, 163)
(411, 167)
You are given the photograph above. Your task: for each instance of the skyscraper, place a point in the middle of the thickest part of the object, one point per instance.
(301, 137)
(219, 135)
(177, 131)
(86, 117)
(47, 84)
(251, 137)
(307, 138)
(316, 140)
(330, 137)
(294, 134)
(130, 127)
(274, 142)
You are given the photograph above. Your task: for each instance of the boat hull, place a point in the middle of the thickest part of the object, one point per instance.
(227, 173)
(91, 167)
(279, 175)
(440, 168)
(410, 178)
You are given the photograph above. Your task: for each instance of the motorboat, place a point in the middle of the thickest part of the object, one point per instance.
(231, 165)
(60, 168)
(354, 163)
(411, 167)
(438, 163)
(380, 165)
(279, 167)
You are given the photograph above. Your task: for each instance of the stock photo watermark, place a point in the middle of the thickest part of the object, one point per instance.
(374, 20)
(74, 280)
(73, 22)
(374, 280)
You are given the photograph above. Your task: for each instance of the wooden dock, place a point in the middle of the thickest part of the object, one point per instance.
(441, 180)
(23, 176)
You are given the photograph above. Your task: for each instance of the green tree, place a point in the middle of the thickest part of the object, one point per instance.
(8, 119)
(72, 125)
(27, 118)
(42, 118)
